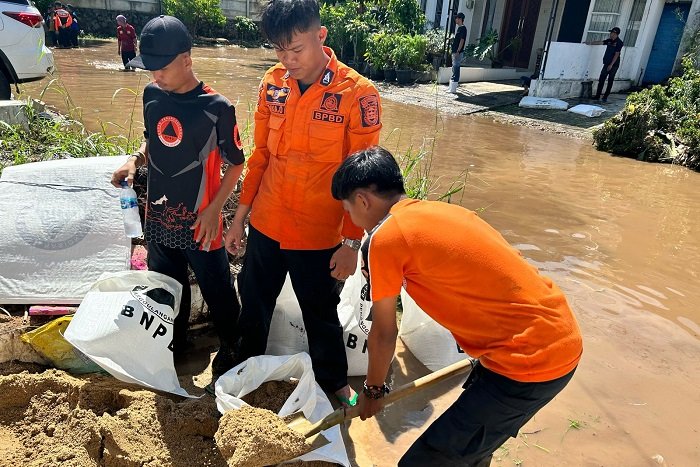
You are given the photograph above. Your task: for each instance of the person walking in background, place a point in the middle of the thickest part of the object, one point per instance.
(466, 276)
(63, 21)
(312, 112)
(126, 41)
(189, 130)
(611, 62)
(458, 43)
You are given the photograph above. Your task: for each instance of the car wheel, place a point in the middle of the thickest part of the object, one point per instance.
(4, 87)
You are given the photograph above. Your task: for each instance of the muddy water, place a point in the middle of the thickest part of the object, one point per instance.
(619, 236)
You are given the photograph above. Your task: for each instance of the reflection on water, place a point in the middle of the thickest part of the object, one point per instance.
(619, 236)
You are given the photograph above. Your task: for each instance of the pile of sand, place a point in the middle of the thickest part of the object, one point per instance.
(52, 418)
(271, 395)
(252, 437)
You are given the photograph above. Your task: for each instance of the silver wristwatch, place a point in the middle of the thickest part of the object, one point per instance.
(354, 244)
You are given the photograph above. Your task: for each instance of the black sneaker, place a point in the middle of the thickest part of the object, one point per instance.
(223, 361)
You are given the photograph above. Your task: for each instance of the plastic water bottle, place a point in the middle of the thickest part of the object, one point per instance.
(130, 208)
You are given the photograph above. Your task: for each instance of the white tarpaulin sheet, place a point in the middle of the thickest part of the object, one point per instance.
(61, 228)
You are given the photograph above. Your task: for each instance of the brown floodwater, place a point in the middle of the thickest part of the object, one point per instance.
(619, 236)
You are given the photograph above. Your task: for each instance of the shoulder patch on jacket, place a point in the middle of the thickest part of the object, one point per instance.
(369, 110)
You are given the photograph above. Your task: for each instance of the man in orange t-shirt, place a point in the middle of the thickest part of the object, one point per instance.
(312, 112)
(465, 275)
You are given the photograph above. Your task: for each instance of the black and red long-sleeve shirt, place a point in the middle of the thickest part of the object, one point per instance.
(189, 135)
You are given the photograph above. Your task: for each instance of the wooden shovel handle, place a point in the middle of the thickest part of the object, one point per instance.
(421, 383)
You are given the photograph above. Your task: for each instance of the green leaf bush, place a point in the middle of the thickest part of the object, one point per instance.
(658, 124)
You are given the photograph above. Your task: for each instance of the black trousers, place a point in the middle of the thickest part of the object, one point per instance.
(610, 75)
(211, 268)
(491, 409)
(64, 37)
(127, 56)
(264, 270)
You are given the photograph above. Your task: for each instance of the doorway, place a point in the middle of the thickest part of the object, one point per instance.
(666, 42)
(518, 32)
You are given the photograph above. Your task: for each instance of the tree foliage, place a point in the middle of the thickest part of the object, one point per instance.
(197, 15)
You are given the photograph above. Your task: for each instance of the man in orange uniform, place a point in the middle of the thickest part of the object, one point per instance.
(63, 21)
(463, 274)
(312, 112)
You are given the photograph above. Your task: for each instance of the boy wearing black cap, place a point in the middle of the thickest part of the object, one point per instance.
(189, 131)
(611, 61)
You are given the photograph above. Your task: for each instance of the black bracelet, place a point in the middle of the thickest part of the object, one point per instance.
(375, 392)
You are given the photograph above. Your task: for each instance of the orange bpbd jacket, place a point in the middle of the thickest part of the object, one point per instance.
(300, 141)
(62, 19)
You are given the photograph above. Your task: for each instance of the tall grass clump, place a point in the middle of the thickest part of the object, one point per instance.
(46, 137)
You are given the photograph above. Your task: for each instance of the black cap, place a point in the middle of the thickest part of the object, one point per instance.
(162, 39)
(616, 30)
(460, 15)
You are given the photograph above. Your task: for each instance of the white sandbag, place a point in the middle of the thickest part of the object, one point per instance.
(433, 345)
(287, 332)
(125, 325)
(355, 314)
(307, 396)
(587, 110)
(61, 228)
(288, 335)
(530, 102)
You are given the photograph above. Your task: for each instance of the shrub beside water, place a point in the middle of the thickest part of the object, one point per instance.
(659, 124)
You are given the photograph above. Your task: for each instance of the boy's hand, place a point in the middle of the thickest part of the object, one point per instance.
(234, 237)
(126, 171)
(343, 263)
(368, 407)
(208, 223)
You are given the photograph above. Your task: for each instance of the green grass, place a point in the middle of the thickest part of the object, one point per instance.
(47, 138)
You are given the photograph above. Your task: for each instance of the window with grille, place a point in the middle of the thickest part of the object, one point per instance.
(438, 14)
(605, 16)
(632, 30)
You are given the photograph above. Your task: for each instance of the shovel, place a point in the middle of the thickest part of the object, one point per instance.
(300, 424)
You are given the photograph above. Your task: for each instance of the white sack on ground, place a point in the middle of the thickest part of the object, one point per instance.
(530, 102)
(61, 228)
(125, 325)
(288, 334)
(433, 345)
(307, 397)
(587, 110)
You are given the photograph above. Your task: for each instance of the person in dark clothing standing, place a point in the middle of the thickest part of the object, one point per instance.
(126, 41)
(74, 31)
(189, 131)
(611, 61)
(52, 33)
(458, 43)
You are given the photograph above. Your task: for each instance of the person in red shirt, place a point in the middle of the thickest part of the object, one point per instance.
(465, 275)
(126, 41)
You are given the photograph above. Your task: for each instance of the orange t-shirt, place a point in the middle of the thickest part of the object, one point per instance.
(465, 275)
(300, 141)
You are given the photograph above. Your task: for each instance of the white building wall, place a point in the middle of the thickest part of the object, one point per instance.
(568, 64)
(541, 31)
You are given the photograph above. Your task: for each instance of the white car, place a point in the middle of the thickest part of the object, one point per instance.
(23, 53)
